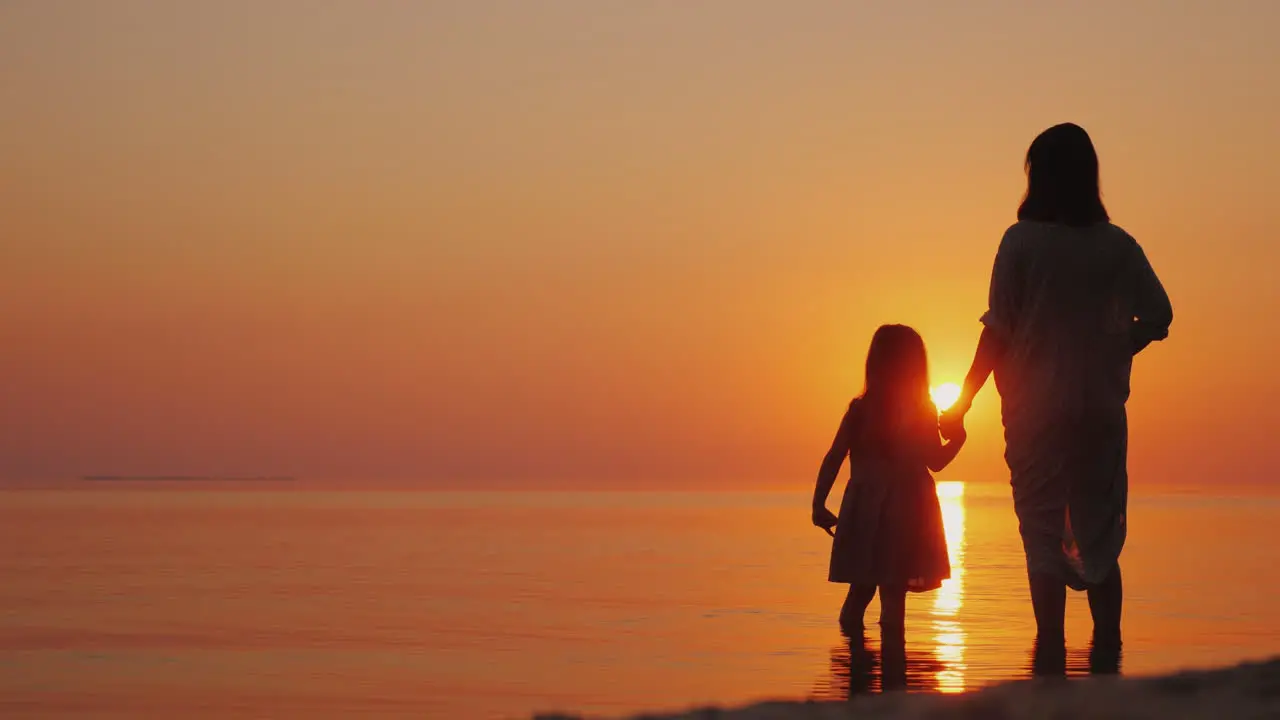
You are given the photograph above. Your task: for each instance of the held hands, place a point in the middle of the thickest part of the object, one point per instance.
(951, 425)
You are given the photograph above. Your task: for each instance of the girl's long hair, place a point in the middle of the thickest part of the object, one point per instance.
(896, 398)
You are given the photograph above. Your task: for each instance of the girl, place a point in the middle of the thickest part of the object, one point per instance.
(889, 534)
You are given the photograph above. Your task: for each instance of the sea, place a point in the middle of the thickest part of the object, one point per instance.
(264, 602)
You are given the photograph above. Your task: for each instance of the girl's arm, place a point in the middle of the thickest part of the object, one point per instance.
(944, 454)
(939, 455)
(831, 463)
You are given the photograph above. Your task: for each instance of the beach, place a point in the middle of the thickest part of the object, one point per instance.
(1243, 692)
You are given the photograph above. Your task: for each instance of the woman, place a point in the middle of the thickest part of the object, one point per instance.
(1072, 300)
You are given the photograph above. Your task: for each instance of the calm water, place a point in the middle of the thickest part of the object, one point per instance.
(128, 602)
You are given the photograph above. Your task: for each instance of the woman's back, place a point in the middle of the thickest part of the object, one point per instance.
(1066, 298)
(1072, 300)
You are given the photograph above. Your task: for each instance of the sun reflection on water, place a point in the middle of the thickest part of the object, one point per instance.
(949, 636)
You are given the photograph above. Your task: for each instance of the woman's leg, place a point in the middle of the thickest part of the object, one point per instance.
(1049, 603)
(1041, 526)
(854, 608)
(1105, 604)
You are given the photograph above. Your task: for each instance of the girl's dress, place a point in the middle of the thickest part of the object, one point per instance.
(890, 531)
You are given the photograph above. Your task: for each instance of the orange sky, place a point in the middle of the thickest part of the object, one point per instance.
(594, 244)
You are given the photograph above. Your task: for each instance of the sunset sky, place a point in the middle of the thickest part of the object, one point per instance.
(596, 244)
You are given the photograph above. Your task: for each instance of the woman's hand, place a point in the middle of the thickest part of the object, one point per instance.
(961, 406)
(824, 518)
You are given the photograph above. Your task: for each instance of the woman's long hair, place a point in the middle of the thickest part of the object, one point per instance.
(1062, 179)
(896, 397)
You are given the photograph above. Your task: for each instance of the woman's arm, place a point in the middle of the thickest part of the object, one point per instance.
(985, 358)
(1003, 306)
(1153, 313)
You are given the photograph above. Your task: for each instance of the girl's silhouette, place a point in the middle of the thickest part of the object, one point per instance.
(889, 533)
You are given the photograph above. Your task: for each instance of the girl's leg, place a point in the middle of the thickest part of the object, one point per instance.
(1105, 603)
(893, 641)
(855, 606)
(893, 612)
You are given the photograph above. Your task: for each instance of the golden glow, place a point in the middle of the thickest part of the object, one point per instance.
(945, 395)
(949, 635)
(294, 266)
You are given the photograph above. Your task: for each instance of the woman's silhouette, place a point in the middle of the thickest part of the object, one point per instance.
(1072, 300)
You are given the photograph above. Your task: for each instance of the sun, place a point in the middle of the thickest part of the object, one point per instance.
(945, 395)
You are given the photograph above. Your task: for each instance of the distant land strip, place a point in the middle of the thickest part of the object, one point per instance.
(188, 478)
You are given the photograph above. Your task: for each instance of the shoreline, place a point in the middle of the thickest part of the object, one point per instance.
(1248, 690)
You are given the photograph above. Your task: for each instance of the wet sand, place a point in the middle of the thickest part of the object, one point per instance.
(1243, 692)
